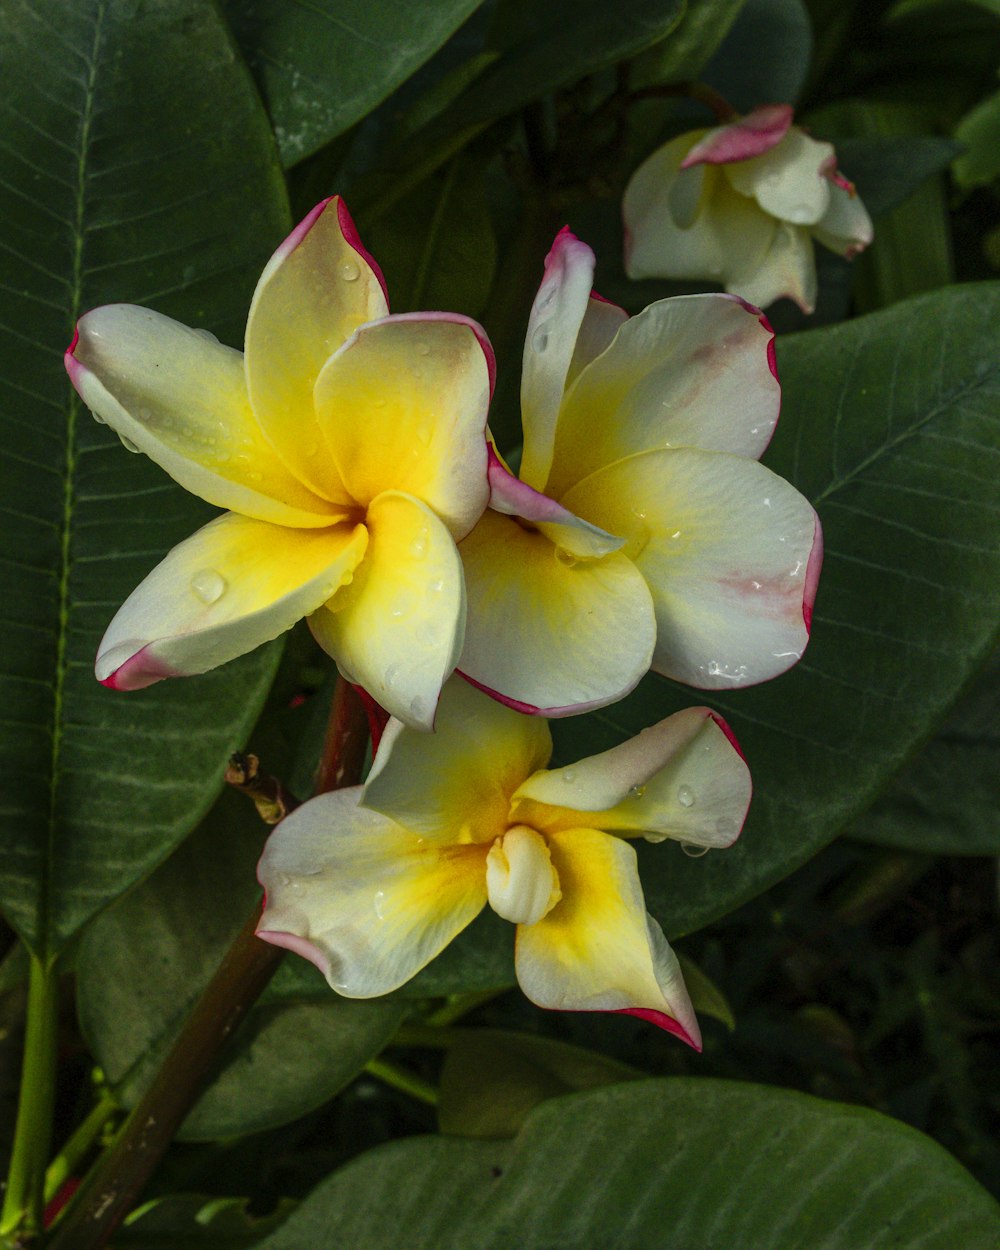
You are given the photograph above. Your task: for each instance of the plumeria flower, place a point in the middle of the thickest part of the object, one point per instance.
(642, 531)
(349, 449)
(741, 204)
(372, 882)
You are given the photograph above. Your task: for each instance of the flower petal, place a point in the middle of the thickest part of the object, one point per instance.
(513, 497)
(693, 371)
(667, 233)
(789, 181)
(597, 949)
(751, 135)
(788, 270)
(232, 585)
(545, 632)
(397, 628)
(367, 901)
(846, 227)
(315, 291)
(180, 396)
(402, 406)
(600, 324)
(730, 553)
(455, 785)
(684, 778)
(553, 326)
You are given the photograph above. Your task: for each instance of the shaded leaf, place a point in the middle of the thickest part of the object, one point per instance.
(136, 165)
(765, 56)
(979, 132)
(189, 1221)
(667, 1165)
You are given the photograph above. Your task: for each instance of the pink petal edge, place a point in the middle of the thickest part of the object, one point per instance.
(299, 945)
(662, 1021)
(378, 717)
(813, 568)
(752, 135)
(139, 671)
(459, 319)
(350, 232)
(528, 709)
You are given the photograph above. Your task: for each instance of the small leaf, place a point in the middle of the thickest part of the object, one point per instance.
(979, 131)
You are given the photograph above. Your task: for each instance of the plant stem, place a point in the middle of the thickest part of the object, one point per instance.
(78, 1146)
(119, 1176)
(400, 1079)
(24, 1201)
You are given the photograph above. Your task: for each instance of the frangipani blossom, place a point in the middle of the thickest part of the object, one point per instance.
(349, 449)
(741, 205)
(372, 882)
(642, 530)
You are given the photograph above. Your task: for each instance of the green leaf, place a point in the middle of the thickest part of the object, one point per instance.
(324, 65)
(136, 165)
(888, 169)
(667, 1165)
(198, 1222)
(683, 53)
(765, 56)
(979, 131)
(492, 1078)
(946, 800)
(143, 963)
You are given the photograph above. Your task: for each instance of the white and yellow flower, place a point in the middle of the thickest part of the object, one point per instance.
(741, 204)
(348, 448)
(642, 531)
(372, 882)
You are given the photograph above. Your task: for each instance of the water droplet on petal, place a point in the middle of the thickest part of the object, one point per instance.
(685, 796)
(127, 443)
(636, 792)
(391, 673)
(436, 586)
(98, 418)
(378, 901)
(418, 547)
(208, 585)
(569, 775)
(349, 271)
(540, 339)
(417, 708)
(565, 557)
(694, 852)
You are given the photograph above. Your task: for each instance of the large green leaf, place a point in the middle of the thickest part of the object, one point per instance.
(142, 964)
(683, 1164)
(765, 55)
(136, 164)
(324, 65)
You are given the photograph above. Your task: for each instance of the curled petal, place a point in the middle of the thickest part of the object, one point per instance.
(846, 227)
(368, 902)
(683, 778)
(180, 396)
(402, 406)
(597, 949)
(789, 181)
(397, 628)
(315, 291)
(751, 135)
(575, 536)
(549, 346)
(729, 551)
(695, 371)
(231, 586)
(546, 632)
(787, 270)
(455, 784)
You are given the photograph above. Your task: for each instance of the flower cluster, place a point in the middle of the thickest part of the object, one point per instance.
(350, 451)
(742, 204)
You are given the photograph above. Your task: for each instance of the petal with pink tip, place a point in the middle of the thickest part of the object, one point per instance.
(549, 346)
(315, 291)
(367, 901)
(751, 135)
(789, 181)
(693, 371)
(846, 227)
(402, 406)
(545, 631)
(728, 550)
(683, 778)
(397, 628)
(231, 586)
(513, 497)
(454, 785)
(597, 949)
(180, 396)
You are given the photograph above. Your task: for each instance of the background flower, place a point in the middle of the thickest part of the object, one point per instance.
(741, 205)
(349, 448)
(371, 883)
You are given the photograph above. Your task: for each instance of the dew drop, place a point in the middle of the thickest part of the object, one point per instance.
(685, 796)
(98, 418)
(569, 776)
(208, 585)
(417, 708)
(378, 900)
(418, 548)
(565, 557)
(540, 339)
(636, 792)
(391, 673)
(436, 586)
(694, 852)
(127, 443)
(349, 271)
